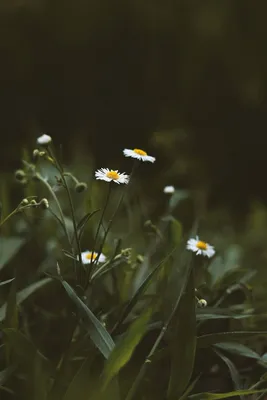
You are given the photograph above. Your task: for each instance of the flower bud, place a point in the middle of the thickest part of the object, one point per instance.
(202, 303)
(24, 202)
(44, 204)
(20, 175)
(35, 155)
(33, 202)
(80, 187)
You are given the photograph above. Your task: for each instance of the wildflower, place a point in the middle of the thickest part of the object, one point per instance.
(169, 189)
(200, 247)
(44, 140)
(87, 256)
(109, 175)
(139, 154)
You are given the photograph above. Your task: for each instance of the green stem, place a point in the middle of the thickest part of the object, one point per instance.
(94, 262)
(62, 175)
(57, 203)
(9, 216)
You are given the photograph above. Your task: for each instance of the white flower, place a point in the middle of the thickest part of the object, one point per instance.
(139, 154)
(200, 247)
(169, 189)
(108, 175)
(87, 257)
(44, 139)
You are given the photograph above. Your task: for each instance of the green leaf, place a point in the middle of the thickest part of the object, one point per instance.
(183, 342)
(232, 369)
(6, 282)
(219, 267)
(85, 384)
(24, 294)
(9, 247)
(38, 367)
(239, 349)
(6, 373)
(220, 337)
(99, 335)
(123, 351)
(11, 317)
(82, 223)
(141, 290)
(213, 396)
(189, 389)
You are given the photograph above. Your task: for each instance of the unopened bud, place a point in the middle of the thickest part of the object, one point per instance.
(24, 202)
(140, 259)
(35, 155)
(33, 202)
(44, 204)
(20, 175)
(202, 303)
(80, 187)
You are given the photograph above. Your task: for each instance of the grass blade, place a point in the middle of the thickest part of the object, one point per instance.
(99, 335)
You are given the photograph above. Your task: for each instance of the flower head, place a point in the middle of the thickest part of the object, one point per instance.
(108, 175)
(200, 247)
(87, 256)
(169, 189)
(139, 154)
(44, 140)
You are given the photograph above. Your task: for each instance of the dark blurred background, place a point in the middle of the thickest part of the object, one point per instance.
(111, 73)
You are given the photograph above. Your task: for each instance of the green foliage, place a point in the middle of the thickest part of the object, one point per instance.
(128, 323)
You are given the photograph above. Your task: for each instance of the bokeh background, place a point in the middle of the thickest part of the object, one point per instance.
(186, 80)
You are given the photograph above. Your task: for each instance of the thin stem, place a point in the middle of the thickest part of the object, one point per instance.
(57, 203)
(135, 165)
(61, 171)
(9, 216)
(92, 262)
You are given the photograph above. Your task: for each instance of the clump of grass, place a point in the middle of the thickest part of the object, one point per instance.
(148, 319)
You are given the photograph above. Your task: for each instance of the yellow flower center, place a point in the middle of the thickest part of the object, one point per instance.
(89, 256)
(201, 245)
(140, 152)
(113, 175)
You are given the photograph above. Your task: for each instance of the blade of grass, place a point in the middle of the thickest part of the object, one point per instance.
(99, 335)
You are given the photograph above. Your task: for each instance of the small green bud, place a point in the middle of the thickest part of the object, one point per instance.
(20, 175)
(80, 187)
(24, 202)
(44, 204)
(33, 202)
(202, 303)
(140, 259)
(35, 155)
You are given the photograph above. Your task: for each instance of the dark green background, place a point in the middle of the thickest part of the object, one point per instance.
(109, 73)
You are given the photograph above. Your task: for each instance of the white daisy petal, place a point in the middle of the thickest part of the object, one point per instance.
(87, 257)
(138, 154)
(44, 139)
(108, 175)
(200, 248)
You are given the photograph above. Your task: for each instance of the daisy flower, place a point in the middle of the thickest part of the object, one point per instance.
(139, 154)
(87, 257)
(44, 140)
(108, 175)
(169, 189)
(199, 247)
